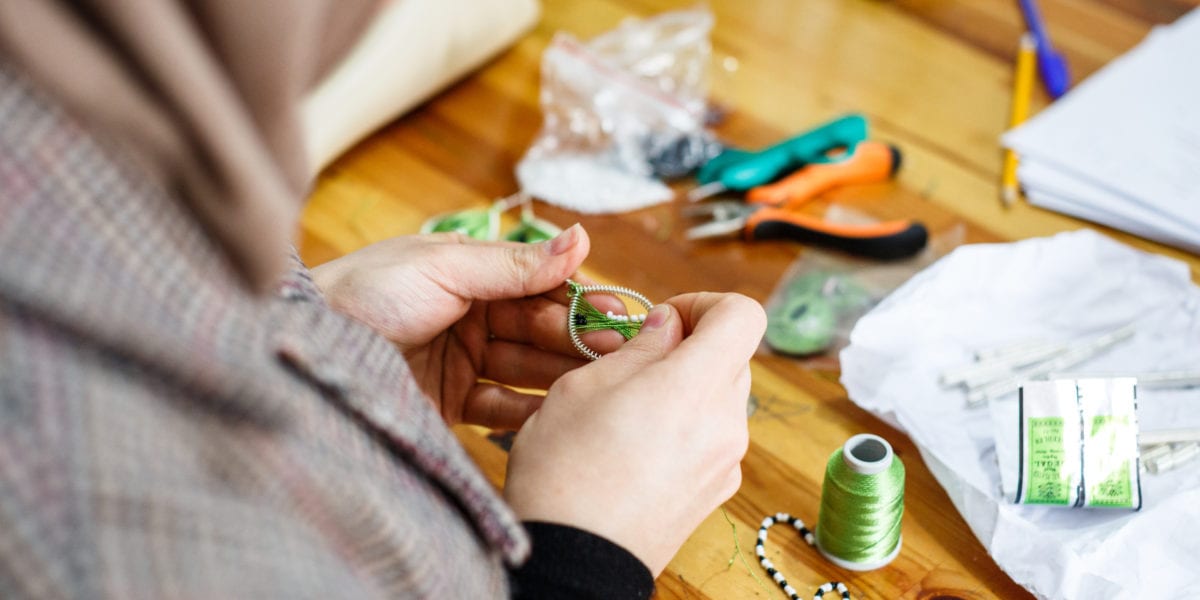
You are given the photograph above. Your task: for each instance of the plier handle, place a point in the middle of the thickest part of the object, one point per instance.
(739, 170)
(885, 240)
(772, 211)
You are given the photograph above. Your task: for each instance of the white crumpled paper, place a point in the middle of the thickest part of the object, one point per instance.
(1070, 286)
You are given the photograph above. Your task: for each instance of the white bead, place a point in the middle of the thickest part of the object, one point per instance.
(610, 314)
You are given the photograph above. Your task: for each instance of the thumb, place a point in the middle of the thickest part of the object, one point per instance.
(498, 271)
(661, 332)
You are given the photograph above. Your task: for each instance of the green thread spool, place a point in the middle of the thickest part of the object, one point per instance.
(862, 501)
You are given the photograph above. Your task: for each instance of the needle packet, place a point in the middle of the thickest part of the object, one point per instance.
(1079, 444)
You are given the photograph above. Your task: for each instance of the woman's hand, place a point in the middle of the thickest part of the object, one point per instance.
(641, 445)
(461, 310)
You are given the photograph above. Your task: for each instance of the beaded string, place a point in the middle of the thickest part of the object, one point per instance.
(582, 317)
(766, 563)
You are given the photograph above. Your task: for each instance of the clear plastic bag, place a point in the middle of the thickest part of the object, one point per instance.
(611, 105)
(823, 294)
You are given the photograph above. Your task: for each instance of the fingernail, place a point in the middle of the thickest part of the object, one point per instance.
(564, 241)
(656, 317)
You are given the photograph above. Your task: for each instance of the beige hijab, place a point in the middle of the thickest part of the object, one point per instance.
(205, 92)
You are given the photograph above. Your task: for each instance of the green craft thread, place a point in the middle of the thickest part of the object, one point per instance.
(589, 318)
(474, 223)
(737, 553)
(862, 501)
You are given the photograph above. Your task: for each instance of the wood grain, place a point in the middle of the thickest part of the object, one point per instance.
(932, 76)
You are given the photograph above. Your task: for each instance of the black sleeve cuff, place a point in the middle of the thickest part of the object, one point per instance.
(572, 563)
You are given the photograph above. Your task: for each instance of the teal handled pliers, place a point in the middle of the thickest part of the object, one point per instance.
(740, 170)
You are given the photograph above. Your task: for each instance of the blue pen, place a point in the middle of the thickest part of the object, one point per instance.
(1051, 65)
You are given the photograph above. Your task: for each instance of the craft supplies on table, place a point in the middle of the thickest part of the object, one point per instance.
(608, 103)
(583, 317)
(818, 299)
(1003, 372)
(772, 211)
(1077, 446)
(1074, 287)
(740, 170)
(484, 223)
(858, 523)
(810, 311)
(1122, 148)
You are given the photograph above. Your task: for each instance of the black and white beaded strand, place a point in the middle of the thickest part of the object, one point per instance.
(766, 563)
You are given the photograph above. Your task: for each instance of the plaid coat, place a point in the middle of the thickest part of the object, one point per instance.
(162, 434)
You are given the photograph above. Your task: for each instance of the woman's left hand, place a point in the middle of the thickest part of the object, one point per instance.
(462, 310)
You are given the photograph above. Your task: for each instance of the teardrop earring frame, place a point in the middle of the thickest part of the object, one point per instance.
(576, 292)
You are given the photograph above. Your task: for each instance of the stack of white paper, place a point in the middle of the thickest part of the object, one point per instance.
(1123, 148)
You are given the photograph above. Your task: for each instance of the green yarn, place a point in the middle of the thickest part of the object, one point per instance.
(484, 223)
(859, 521)
(589, 318)
(479, 224)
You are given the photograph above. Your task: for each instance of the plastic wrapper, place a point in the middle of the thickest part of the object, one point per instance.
(818, 300)
(616, 106)
(1076, 444)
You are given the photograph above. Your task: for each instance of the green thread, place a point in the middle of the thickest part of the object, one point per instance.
(589, 318)
(531, 229)
(859, 521)
(737, 553)
(478, 224)
(484, 223)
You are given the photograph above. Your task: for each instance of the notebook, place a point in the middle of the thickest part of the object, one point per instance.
(1123, 148)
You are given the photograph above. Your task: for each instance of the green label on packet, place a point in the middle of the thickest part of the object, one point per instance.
(1049, 483)
(1115, 489)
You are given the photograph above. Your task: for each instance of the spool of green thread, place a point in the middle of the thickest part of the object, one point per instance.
(862, 501)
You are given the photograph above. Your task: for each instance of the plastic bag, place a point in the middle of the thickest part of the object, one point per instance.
(611, 105)
(822, 295)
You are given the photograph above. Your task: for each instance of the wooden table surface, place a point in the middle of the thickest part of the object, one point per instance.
(932, 77)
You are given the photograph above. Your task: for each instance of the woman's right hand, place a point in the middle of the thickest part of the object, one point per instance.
(643, 444)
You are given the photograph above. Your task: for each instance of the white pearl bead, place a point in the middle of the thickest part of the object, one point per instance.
(610, 314)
